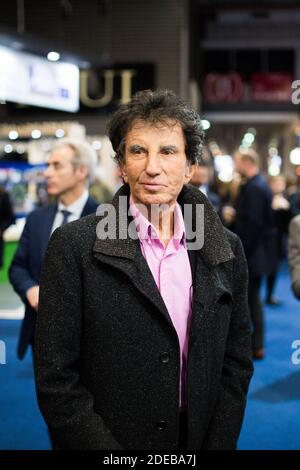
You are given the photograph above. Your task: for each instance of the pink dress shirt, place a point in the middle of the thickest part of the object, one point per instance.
(170, 267)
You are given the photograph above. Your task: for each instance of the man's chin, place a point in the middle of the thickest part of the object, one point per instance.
(154, 199)
(53, 192)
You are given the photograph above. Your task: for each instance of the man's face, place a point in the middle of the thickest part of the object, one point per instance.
(155, 165)
(200, 176)
(61, 174)
(278, 185)
(240, 165)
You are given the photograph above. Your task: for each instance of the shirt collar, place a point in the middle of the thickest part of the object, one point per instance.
(77, 206)
(147, 231)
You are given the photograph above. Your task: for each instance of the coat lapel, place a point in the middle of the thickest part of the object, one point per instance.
(126, 255)
(208, 288)
(46, 226)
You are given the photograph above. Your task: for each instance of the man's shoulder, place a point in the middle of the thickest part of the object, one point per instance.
(259, 183)
(233, 239)
(79, 231)
(37, 215)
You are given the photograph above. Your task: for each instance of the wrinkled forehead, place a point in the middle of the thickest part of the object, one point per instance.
(164, 129)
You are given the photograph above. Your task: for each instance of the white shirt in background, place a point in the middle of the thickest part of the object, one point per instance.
(76, 210)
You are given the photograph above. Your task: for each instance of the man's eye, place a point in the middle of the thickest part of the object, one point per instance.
(168, 151)
(137, 150)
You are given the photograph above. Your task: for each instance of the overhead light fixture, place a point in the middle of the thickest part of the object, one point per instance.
(205, 124)
(36, 134)
(13, 135)
(8, 148)
(295, 156)
(248, 139)
(295, 153)
(53, 56)
(20, 149)
(59, 133)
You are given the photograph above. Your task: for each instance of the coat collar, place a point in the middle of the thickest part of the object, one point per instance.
(125, 254)
(216, 248)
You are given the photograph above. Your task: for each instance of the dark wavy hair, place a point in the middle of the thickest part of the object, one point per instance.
(157, 107)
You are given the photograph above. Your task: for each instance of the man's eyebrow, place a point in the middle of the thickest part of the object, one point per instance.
(169, 147)
(135, 147)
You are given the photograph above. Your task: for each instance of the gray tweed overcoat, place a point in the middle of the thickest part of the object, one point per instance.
(107, 355)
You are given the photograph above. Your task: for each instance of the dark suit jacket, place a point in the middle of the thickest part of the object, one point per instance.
(7, 218)
(107, 358)
(255, 225)
(25, 269)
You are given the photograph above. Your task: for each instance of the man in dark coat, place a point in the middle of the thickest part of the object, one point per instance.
(201, 179)
(255, 225)
(143, 338)
(69, 166)
(7, 218)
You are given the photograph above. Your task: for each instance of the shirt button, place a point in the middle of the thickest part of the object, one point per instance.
(165, 357)
(161, 425)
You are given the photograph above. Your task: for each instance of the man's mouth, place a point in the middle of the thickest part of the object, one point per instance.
(152, 185)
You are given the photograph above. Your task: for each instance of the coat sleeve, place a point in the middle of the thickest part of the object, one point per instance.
(65, 402)
(226, 422)
(294, 254)
(19, 274)
(253, 224)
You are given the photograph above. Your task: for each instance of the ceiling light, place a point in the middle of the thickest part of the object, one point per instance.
(36, 134)
(13, 135)
(53, 56)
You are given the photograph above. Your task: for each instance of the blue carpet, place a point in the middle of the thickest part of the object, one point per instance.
(273, 409)
(21, 424)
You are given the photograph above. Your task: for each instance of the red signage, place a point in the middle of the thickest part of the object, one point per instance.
(223, 88)
(231, 88)
(271, 87)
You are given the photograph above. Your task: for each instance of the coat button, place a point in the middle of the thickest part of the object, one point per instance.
(165, 357)
(161, 425)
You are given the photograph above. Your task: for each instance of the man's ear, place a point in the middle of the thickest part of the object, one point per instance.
(83, 171)
(190, 169)
(124, 173)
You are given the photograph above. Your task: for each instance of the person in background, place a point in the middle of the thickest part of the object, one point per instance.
(70, 166)
(201, 180)
(294, 200)
(281, 210)
(294, 254)
(7, 218)
(254, 223)
(99, 190)
(143, 335)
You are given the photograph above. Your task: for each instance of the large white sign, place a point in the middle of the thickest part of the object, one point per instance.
(29, 79)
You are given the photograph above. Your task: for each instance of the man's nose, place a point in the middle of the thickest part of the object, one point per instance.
(47, 172)
(153, 165)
